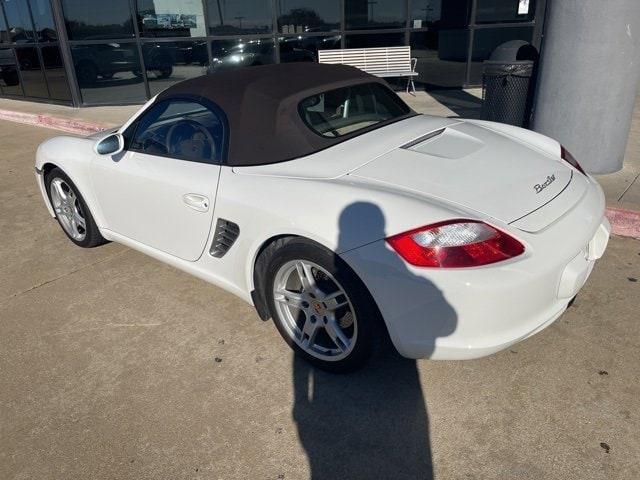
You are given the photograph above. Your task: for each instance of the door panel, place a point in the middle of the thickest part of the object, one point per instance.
(162, 202)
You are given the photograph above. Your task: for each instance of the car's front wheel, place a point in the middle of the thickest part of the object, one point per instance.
(71, 211)
(320, 306)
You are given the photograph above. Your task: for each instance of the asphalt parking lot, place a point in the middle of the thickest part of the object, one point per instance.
(113, 365)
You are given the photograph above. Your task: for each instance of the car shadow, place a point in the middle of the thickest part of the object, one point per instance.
(371, 424)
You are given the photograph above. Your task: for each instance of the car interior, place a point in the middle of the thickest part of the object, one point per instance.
(182, 129)
(346, 110)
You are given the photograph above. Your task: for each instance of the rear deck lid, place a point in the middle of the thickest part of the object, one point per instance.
(475, 168)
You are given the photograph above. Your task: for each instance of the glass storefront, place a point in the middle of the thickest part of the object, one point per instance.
(367, 14)
(241, 52)
(95, 19)
(240, 17)
(90, 52)
(30, 61)
(55, 74)
(108, 72)
(305, 48)
(169, 62)
(302, 16)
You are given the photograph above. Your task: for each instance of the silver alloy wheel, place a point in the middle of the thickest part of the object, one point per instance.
(315, 310)
(68, 210)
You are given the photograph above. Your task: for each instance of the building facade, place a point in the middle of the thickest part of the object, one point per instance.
(111, 52)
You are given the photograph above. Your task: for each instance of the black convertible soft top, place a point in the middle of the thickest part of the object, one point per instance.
(261, 106)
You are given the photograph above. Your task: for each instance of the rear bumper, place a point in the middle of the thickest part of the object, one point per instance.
(453, 314)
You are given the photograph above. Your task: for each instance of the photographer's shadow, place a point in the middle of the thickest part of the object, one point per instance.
(371, 424)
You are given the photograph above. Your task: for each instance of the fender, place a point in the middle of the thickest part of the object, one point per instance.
(73, 156)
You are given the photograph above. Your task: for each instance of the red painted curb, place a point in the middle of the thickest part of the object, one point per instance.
(624, 222)
(79, 127)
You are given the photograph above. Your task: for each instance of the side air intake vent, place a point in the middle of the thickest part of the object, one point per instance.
(226, 233)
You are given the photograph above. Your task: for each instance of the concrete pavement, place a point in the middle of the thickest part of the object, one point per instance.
(107, 114)
(115, 366)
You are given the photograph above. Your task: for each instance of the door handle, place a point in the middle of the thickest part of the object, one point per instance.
(199, 203)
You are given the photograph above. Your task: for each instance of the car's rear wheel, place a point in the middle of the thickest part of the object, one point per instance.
(71, 211)
(320, 306)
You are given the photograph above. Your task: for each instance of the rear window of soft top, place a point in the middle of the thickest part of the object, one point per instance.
(346, 110)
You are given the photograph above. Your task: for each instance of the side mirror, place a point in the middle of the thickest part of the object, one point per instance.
(110, 145)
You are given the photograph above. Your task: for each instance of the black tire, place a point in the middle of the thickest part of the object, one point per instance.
(92, 237)
(11, 78)
(164, 71)
(371, 330)
(87, 73)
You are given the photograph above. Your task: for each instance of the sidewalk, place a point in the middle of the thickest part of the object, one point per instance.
(108, 116)
(622, 189)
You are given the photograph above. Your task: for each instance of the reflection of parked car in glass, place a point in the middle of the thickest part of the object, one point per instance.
(260, 52)
(196, 53)
(105, 60)
(47, 35)
(8, 70)
(292, 50)
(243, 54)
(184, 53)
(158, 59)
(20, 35)
(305, 49)
(27, 59)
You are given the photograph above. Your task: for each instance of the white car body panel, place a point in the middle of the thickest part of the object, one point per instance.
(434, 313)
(164, 192)
(467, 163)
(440, 314)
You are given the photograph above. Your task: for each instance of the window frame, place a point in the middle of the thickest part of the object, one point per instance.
(131, 131)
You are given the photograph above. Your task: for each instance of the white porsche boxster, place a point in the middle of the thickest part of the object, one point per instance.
(315, 194)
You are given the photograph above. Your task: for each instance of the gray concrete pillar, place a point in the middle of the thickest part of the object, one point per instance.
(588, 80)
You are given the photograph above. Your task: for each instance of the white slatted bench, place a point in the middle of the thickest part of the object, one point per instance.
(381, 62)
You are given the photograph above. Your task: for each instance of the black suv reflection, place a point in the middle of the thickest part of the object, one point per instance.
(105, 60)
(8, 70)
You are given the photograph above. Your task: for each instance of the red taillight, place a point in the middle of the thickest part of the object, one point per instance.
(455, 244)
(567, 157)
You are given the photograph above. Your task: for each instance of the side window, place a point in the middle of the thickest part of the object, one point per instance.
(182, 129)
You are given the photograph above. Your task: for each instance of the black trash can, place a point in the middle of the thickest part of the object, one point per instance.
(507, 83)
